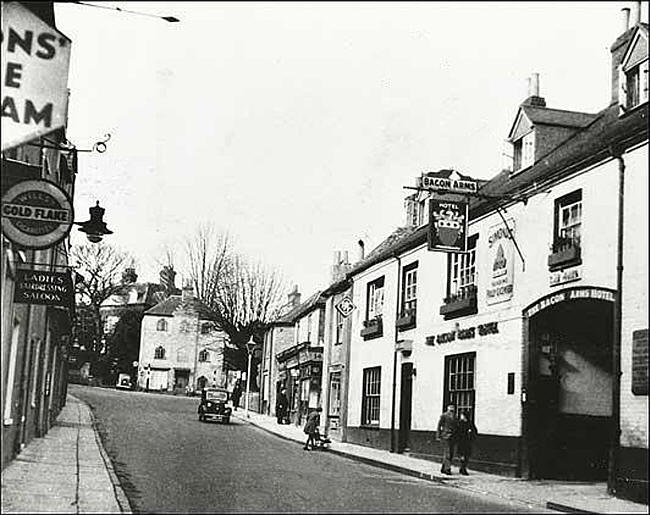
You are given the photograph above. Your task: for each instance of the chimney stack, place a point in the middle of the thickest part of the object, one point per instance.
(294, 297)
(533, 98)
(129, 276)
(187, 292)
(340, 266)
(168, 279)
(625, 19)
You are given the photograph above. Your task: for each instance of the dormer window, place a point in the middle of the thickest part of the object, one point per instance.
(633, 74)
(524, 152)
(636, 86)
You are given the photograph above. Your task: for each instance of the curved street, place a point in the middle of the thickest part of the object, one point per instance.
(168, 461)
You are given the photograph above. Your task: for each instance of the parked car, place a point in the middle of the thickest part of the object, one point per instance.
(213, 405)
(124, 382)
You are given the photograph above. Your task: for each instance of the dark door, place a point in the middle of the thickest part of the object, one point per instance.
(406, 392)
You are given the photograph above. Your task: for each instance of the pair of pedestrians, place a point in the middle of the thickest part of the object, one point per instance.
(457, 433)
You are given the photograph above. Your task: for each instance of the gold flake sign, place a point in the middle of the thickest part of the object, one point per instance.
(36, 214)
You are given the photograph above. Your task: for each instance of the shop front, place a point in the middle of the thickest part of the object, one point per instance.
(299, 372)
(568, 410)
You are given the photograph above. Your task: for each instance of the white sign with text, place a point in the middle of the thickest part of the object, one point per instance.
(35, 63)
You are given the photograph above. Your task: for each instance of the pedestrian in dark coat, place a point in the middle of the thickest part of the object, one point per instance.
(236, 394)
(466, 434)
(311, 428)
(447, 426)
(281, 407)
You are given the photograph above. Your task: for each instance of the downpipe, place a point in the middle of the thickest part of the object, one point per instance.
(393, 442)
(617, 153)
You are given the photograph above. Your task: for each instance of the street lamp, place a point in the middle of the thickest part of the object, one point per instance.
(250, 345)
(95, 228)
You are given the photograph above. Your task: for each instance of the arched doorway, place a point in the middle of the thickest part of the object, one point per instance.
(569, 413)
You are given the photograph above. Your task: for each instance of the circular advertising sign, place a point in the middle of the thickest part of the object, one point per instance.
(36, 214)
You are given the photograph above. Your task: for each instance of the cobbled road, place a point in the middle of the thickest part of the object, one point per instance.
(168, 461)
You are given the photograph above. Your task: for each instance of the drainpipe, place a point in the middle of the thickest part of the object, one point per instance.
(617, 153)
(393, 445)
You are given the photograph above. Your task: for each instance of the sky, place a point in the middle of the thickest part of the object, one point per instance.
(295, 126)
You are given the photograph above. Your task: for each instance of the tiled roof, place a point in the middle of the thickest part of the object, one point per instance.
(147, 293)
(587, 146)
(302, 308)
(546, 116)
(399, 237)
(168, 306)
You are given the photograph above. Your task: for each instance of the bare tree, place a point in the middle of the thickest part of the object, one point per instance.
(243, 294)
(101, 266)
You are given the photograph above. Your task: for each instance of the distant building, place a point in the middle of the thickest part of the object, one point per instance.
(181, 346)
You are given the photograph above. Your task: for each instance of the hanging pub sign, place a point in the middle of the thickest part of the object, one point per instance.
(36, 214)
(501, 259)
(448, 181)
(49, 288)
(35, 63)
(447, 226)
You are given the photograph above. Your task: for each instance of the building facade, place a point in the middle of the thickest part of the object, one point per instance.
(524, 330)
(35, 338)
(181, 347)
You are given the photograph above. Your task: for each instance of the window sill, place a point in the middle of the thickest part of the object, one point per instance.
(624, 111)
(373, 427)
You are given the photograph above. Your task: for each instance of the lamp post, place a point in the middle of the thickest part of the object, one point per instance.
(250, 345)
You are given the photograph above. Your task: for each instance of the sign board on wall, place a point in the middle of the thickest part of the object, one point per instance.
(640, 362)
(501, 262)
(48, 288)
(345, 306)
(576, 293)
(36, 214)
(447, 225)
(35, 63)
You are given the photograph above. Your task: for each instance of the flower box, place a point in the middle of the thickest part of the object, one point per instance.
(372, 328)
(406, 321)
(460, 305)
(563, 256)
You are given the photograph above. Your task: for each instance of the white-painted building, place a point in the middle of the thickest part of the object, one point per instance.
(181, 345)
(520, 330)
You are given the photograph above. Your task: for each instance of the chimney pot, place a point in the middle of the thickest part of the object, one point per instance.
(361, 249)
(636, 14)
(625, 19)
(534, 85)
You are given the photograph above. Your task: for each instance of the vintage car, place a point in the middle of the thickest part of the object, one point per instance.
(213, 405)
(124, 382)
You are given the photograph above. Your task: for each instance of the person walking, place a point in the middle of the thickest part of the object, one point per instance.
(311, 428)
(236, 394)
(466, 434)
(281, 407)
(447, 426)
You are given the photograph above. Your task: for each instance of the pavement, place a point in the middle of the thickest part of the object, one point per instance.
(560, 496)
(68, 471)
(65, 471)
